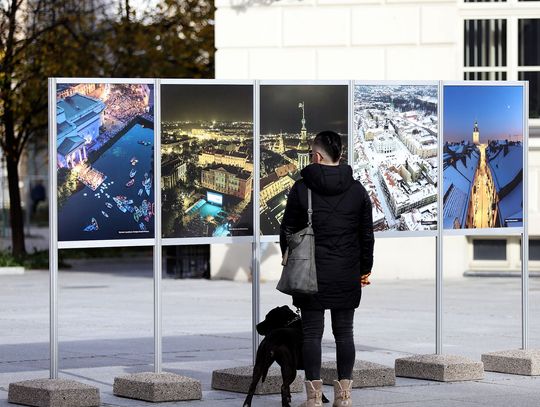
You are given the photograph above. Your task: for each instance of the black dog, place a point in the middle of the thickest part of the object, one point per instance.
(282, 329)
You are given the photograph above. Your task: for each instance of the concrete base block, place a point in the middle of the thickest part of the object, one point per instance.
(442, 368)
(365, 374)
(53, 393)
(238, 379)
(521, 362)
(157, 387)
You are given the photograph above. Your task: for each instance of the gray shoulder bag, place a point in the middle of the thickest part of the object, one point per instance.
(299, 275)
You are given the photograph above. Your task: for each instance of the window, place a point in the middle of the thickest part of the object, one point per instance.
(529, 60)
(534, 250)
(501, 42)
(489, 249)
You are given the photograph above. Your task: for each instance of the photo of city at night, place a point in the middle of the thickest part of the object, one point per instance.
(395, 133)
(483, 157)
(105, 161)
(291, 116)
(207, 160)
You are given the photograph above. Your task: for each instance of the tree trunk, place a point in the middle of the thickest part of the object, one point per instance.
(15, 208)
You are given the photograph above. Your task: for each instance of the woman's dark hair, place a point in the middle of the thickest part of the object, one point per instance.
(330, 142)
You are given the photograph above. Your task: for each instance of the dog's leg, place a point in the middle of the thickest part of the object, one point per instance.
(288, 374)
(263, 361)
(257, 373)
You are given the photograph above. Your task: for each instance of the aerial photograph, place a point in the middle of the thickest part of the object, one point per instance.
(395, 136)
(105, 161)
(207, 160)
(291, 116)
(483, 157)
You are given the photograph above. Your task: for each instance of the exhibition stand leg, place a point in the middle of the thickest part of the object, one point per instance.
(157, 386)
(522, 361)
(53, 392)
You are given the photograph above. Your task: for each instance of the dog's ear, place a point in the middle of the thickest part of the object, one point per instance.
(262, 328)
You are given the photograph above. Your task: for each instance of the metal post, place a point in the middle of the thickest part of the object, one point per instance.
(525, 234)
(439, 238)
(350, 154)
(53, 235)
(158, 253)
(256, 246)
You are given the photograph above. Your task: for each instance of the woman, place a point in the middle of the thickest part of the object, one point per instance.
(343, 228)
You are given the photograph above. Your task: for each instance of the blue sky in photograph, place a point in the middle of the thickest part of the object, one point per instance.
(498, 110)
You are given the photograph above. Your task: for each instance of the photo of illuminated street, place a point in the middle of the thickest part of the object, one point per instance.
(483, 164)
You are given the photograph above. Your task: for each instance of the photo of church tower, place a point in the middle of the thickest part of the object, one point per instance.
(483, 171)
(291, 116)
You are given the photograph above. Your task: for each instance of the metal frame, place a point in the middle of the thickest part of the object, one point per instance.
(185, 241)
(53, 235)
(256, 246)
(158, 251)
(439, 239)
(256, 239)
(525, 234)
(55, 245)
(502, 231)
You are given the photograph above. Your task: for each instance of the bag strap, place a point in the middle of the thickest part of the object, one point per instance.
(310, 209)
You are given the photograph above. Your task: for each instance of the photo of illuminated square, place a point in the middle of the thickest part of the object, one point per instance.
(207, 160)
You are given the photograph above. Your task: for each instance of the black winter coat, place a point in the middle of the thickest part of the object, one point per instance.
(343, 227)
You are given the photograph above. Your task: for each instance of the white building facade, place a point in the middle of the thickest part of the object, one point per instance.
(392, 40)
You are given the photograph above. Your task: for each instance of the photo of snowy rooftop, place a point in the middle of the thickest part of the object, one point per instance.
(483, 157)
(395, 153)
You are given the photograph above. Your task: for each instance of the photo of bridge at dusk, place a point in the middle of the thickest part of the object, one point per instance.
(105, 161)
(291, 116)
(207, 160)
(483, 157)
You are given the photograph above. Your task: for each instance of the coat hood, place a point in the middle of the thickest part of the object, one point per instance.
(328, 179)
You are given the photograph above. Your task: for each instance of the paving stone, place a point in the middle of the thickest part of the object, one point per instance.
(443, 368)
(157, 387)
(365, 374)
(53, 393)
(520, 362)
(238, 379)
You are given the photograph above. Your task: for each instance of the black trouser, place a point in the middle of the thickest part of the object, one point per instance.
(342, 328)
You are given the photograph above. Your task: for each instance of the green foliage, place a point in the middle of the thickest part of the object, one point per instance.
(7, 260)
(38, 260)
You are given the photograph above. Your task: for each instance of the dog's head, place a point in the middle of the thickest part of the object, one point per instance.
(279, 317)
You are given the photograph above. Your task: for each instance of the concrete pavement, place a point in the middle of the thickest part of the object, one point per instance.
(105, 329)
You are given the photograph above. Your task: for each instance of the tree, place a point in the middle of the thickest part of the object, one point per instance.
(70, 38)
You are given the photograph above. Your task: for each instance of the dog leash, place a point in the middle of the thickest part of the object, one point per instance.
(296, 318)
